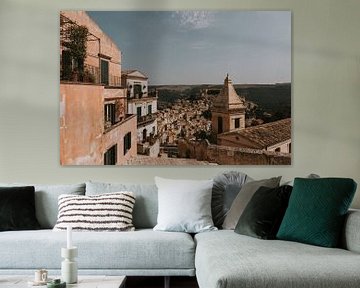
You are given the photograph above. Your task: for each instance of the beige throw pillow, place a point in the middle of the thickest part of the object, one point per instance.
(243, 198)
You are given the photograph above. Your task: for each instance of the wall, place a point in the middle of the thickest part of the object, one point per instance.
(326, 87)
(116, 136)
(75, 136)
(107, 46)
(205, 151)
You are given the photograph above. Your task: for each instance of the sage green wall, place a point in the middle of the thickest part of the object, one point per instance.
(326, 91)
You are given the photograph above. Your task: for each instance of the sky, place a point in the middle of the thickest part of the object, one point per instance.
(201, 47)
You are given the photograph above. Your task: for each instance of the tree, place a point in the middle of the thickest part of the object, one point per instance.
(76, 44)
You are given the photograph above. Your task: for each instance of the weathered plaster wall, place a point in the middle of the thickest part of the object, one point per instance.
(81, 139)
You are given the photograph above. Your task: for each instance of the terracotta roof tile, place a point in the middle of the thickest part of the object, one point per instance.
(265, 135)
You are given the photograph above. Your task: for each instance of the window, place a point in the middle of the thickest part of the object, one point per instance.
(127, 142)
(144, 135)
(237, 123)
(109, 114)
(110, 156)
(137, 90)
(104, 67)
(149, 109)
(220, 125)
(277, 149)
(138, 112)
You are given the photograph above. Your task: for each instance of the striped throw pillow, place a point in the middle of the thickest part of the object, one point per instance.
(105, 212)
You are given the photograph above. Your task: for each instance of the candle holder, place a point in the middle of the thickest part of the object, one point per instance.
(68, 265)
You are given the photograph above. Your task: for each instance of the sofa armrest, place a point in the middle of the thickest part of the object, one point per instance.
(351, 234)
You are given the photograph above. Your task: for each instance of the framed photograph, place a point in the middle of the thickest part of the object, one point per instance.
(175, 88)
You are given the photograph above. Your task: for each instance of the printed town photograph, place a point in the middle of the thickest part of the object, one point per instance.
(175, 88)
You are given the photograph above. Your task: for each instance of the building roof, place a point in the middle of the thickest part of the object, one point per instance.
(264, 135)
(228, 98)
(133, 73)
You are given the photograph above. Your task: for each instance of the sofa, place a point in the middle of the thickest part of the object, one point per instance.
(218, 259)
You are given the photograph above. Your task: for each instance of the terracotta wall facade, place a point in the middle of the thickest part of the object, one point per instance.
(102, 49)
(83, 137)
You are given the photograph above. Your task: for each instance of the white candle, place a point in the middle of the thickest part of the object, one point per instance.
(69, 239)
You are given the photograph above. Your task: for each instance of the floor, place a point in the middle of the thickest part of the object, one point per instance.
(158, 282)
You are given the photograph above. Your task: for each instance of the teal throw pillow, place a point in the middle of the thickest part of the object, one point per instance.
(316, 211)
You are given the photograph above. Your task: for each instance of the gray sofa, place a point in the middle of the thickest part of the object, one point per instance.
(218, 259)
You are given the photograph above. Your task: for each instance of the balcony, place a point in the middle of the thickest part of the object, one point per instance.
(142, 96)
(143, 120)
(90, 74)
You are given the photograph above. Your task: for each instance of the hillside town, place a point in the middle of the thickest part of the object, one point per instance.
(109, 116)
(183, 120)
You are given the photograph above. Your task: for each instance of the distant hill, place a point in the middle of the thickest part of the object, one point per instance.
(273, 100)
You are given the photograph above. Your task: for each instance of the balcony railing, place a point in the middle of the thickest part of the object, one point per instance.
(91, 74)
(141, 120)
(141, 95)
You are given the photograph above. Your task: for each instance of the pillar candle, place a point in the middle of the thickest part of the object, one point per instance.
(69, 237)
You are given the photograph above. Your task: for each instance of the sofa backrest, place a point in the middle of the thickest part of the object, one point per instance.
(46, 200)
(146, 203)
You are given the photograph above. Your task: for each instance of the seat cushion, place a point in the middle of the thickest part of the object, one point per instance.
(144, 249)
(225, 259)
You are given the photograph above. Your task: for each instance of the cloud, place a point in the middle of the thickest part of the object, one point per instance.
(194, 19)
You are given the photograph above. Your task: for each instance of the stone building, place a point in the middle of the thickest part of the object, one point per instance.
(228, 122)
(228, 109)
(143, 103)
(273, 136)
(95, 126)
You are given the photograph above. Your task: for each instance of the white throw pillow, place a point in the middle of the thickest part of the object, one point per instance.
(184, 205)
(104, 212)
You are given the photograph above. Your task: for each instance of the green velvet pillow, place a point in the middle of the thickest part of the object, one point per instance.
(17, 208)
(263, 215)
(316, 211)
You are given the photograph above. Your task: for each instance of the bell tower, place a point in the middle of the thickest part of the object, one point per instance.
(228, 110)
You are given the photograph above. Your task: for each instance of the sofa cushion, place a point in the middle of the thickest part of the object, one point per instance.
(146, 205)
(243, 198)
(225, 259)
(105, 212)
(317, 209)
(46, 200)
(142, 249)
(17, 208)
(184, 205)
(225, 189)
(263, 215)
